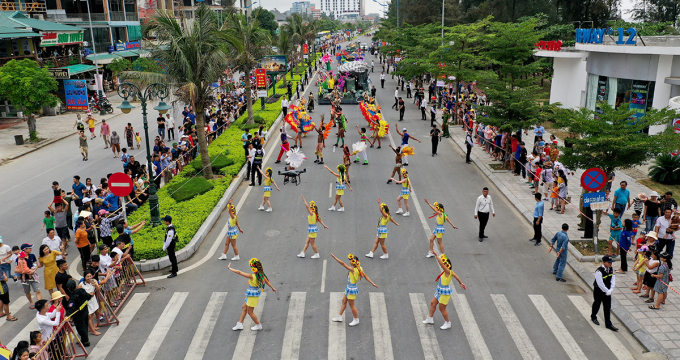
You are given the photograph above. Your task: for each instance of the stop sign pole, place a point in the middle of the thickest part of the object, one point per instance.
(121, 186)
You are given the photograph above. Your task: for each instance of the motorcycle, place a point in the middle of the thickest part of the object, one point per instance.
(96, 104)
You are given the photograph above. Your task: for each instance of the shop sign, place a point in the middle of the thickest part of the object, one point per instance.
(261, 78)
(549, 45)
(305, 49)
(60, 74)
(261, 93)
(596, 36)
(76, 94)
(33, 7)
(132, 45)
(54, 38)
(638, 99)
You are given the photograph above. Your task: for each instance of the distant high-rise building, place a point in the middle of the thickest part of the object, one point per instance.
(316, 13)
(343, 8)
(301, 7)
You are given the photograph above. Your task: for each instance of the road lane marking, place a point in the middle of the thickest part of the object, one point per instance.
(337, 340)
(205, 328)
(323, 276)
(113, 333)
(330, 190)
(293, 333)
(17, 305)
(608, 337)
(23, 334)
(515, 328)
(382, 340)
(246, 339)
(160, 330)
(557, 327)
(428, 339)
(472, 332)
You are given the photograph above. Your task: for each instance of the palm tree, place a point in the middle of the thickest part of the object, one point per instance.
(300, 31)
(285, 46)
(252, 45)
(194, 56)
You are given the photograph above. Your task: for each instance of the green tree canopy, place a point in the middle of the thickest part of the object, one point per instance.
(266, 19)
(117, 66)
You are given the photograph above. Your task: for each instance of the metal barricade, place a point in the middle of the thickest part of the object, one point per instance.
(64, 344)
(121, 285)
(107, 315)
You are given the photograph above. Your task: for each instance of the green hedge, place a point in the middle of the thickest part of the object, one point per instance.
(188, 215)
(188, 189)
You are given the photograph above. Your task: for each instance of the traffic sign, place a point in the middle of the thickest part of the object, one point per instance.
(593, 179)
(590, 198)
(120, 184)
(600, 205)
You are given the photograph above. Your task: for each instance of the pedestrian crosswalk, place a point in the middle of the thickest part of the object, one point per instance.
(376, 328)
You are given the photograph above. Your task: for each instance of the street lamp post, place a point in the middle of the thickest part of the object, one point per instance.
(161, 91)
(99, 81)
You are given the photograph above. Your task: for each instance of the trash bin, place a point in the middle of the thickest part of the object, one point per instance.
(19, 139)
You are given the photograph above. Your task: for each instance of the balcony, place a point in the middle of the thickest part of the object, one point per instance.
(84, 17)
(78, 17)
(5, 60)
(59, 61)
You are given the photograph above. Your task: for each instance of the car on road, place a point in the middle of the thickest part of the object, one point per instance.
(364, 47)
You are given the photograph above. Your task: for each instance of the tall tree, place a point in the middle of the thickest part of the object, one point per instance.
(286, 47)
(266, 19)
(252, 42)
(194, 56)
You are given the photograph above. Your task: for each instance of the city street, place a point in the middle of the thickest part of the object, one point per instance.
(512, 309)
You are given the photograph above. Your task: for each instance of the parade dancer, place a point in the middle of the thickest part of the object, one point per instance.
(397, 165)
(444, 291)
(346, 160)
(341, 123)
(232, 233)
(312, 229)
(351, 291)
(268, 181)
(439, 230)
(364, 139)
(285, 146)
(405, 136)
(382, 231)
(405, 192)
(340, 186)
(256, 283)
(323, 131)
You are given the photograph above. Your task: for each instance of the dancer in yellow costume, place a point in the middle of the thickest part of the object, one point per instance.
(312, 229)
(232, 233)
(444, 291)
(382, 231)
(351, 291)
(405, 192)
(256, 283)
(268, 181)
(439, 230)
(341, 182)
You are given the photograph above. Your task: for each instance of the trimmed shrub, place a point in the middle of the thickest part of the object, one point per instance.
(666, 170)
(188, 189)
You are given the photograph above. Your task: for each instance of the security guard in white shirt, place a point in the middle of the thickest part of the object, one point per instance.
(604, 284)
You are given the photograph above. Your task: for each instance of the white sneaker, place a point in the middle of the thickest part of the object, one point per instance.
(429, 321)
(268, 210)
(354, 322)
(259, 327)
(407, 214)
(447, 325)
(239, 326)
(260, 208)
(235, 258)
(399, 211)
(385, 256)
(332, 208)
(429, 254)
(341, 209)
(338, 318)
(222, 257)
(315, 256)
(301, 255)
(370, 254)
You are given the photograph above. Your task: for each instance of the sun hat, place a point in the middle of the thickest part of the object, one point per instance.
(642, 196)
(653, 193)
(653, 235)
(103, 212)
(57, 295)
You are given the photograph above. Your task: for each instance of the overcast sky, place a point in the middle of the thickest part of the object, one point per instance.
(283, 5)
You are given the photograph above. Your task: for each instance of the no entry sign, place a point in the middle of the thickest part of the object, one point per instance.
(120, 184)
(593, 179)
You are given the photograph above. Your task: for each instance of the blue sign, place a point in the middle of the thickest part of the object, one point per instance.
(593, 198)
(596, 36)
(120, 47)
(76, 94)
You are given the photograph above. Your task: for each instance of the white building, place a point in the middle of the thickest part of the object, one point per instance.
(640, 76)
(343, 8)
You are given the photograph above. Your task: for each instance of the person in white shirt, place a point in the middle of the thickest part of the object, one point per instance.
(54, 243)
(423, 107)
(372, 65)
(382, 80)
(45, 320)
(169, 245)
(666, 240)
(483, 207)
(170, 125)
(5, 250)
(284, 106)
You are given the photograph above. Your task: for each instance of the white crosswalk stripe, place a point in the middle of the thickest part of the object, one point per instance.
(293, 335)
(337, 340)
(205, 328)
(155, 339)
(382, 340)
(557, 327)
(113, 333)
(246, 340)
(517, 332)
(15, 306)
(608, 337)
(24, 333)
(428, 339)
(474, 336)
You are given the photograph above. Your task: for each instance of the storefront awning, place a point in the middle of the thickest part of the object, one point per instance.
(104, 58)
(79, 68)
(128, 53)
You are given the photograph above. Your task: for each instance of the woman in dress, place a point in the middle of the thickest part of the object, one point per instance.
(91, 286)
(268, 181)
(256, 283)
(356, 272)
(48, 259)
(439, 230)
(129, 135)
(115, 144)
(405, 191)
(443, 293)
(662, 279)
(232, 233)
(382, 231)
(340, 181)
(312, 229)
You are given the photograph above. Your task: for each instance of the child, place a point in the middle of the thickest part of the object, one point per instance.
(554, 194)
(138, 139)
(625, 241)
(11, 258)
(639, 267)
(636, 224)
(614, 230)
(22, 268)
(48, 221)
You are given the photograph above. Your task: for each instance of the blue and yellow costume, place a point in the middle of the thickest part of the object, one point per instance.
(232, 230)
(312, 229)
(255, 284)
(352, 290)
(405, 190)
(444, 290)
(382, 226)
(267, 187)
(340, 186)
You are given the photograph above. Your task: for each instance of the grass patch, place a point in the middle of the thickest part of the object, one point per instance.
(217, 163)
(586, 247)
(658, 187)
(497, 167)
(188, 189)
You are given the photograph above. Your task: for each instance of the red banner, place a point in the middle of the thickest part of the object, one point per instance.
(305, 49)
(261, 78)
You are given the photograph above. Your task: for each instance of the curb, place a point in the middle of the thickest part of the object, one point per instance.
(574, 259)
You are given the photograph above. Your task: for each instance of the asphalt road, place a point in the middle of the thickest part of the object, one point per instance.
(512, 308)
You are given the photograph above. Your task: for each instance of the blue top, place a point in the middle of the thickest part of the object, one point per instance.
(622, 196)
(192, 117)
(518, 152)
(539, 130)
(244, 138)
(78, 189)
(112, 201)
(538, 210)
(404, 139)
(562, 240)
(626, 239)
(616, 222)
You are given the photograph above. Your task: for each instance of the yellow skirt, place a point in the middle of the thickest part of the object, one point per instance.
(252, 301)
(443, 299)
(383, 236)
(405, 197)
(351, 297)
(267, 193)
(311, 235)
(439, 235)
(340, 192)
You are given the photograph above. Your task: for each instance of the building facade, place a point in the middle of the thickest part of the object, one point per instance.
(301, 7)
(343, 9)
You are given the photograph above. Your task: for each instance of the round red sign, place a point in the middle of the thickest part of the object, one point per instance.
(593, 179)
(120, 184)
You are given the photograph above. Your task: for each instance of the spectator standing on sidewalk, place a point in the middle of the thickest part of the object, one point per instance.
(668, 202)
(284, 103)
(483, 206)
(538, 220)
(82, 243)
(115, 144)
(160, 120)
(666, 239)
(561, 243)
(382, 78)
(4, 296)
(604, 284)
(621, 198)
(83, 145)
(31, 262)
(170, 124)
(5, 250)
(169, 245)
(105, 132)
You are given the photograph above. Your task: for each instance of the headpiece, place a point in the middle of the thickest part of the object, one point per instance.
(404, 172)
(341, 167)
(446, 262)
(252, 263)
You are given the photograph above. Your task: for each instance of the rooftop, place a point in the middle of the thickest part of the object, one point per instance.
(18, 20)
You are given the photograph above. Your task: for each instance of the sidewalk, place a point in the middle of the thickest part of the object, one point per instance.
(658, 331)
